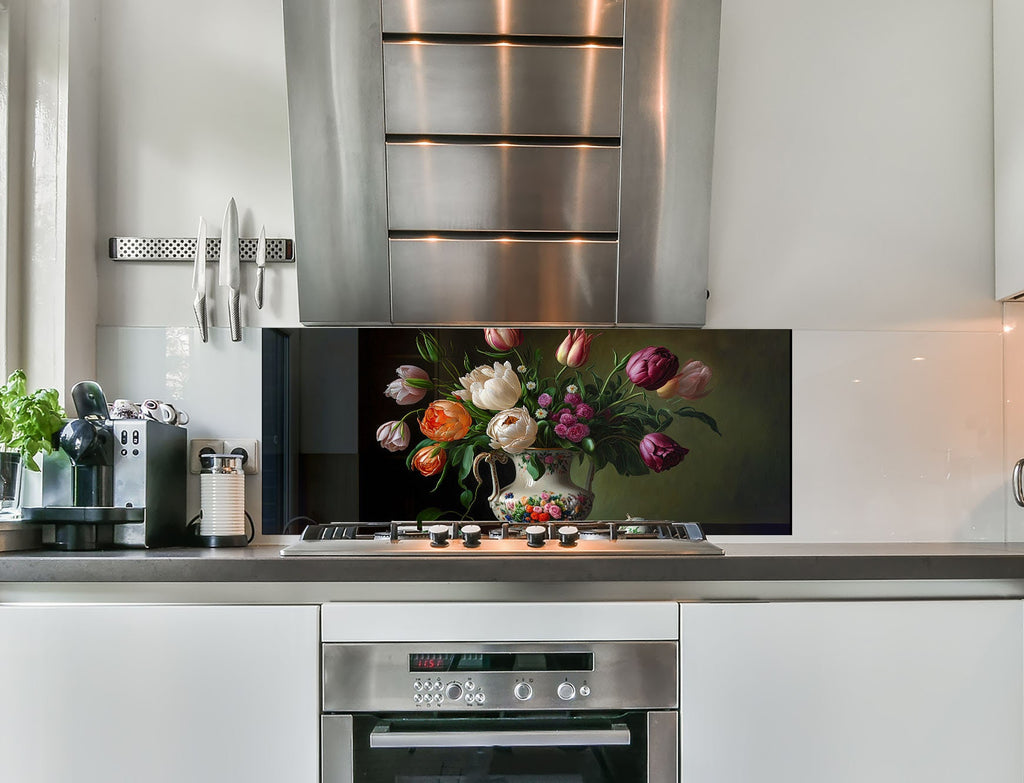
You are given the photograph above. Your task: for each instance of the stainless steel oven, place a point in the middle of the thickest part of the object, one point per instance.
(517, 712)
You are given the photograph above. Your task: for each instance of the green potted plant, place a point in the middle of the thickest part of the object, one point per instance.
(28, 423)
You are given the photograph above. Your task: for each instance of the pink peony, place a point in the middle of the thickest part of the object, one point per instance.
(545, 400)
(584, 411)
(577, 432)
(566, 418)
(561, 430)
(573, 399)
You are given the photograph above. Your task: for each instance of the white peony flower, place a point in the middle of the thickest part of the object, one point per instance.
(512, 430)
(492, 389)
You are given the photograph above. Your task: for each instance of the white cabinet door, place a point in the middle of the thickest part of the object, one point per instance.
(159, 694)
(886, 692)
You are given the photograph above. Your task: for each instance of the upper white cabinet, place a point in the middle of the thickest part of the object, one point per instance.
(161, 694)
(907, 692)
(1008, 129)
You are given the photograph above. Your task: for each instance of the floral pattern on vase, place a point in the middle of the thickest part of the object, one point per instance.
(552, 497)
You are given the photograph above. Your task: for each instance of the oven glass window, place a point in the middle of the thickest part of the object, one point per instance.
(482, 759)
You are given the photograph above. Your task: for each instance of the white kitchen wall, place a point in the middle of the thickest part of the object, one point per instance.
(852, 203)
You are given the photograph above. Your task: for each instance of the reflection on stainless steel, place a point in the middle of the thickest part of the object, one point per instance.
(336, 742)
(375, 677)
(445, 88)
(594, 18)
(668, 129)
(662, 743)
(502, 187)
(336, 123)
(539, 96)
(482, 281)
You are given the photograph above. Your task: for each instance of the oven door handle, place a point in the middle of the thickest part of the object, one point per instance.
(383, 737)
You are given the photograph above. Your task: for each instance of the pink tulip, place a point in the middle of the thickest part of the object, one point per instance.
(691, 383)
(503, 339)
(575, 348)
(393, 435)
(659, 452)
(403, 392)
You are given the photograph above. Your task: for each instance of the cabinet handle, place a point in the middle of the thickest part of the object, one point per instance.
(1018, 487)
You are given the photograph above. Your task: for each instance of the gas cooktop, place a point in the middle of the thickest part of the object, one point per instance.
(467, 539)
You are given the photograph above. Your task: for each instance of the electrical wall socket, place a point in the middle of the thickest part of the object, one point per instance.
(251, 447)
(196, 446)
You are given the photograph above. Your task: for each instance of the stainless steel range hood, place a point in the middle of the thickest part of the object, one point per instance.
(502, 161)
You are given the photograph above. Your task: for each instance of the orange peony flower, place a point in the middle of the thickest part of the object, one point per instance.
(445, 420)
(429, 460)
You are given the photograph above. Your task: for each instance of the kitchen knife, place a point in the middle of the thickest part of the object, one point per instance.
(261, 262)
(229, 275)
(199, 281)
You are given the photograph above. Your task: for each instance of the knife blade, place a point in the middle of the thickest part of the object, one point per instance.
(261, 262)
(229, 273)
(199, 281)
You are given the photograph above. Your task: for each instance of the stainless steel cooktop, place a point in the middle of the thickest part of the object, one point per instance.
(481, 539)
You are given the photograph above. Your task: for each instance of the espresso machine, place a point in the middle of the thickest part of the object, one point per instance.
(112, 483)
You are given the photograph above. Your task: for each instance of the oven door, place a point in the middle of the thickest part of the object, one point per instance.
(630, 747)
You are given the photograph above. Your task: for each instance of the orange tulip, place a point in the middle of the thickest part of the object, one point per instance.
(429, 460)
(445, 420)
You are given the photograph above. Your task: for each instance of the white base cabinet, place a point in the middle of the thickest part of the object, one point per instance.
(886, 692)
(159, 694)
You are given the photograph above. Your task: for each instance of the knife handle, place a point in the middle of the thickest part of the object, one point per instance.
(199, 307)
(234, 317)
(258, 294)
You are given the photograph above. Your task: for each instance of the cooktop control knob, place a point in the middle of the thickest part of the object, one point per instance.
(535, 535)
(453, 692)
(471, 535)
(438, 535)
(568, 535)
(566, 691)
(522, 691)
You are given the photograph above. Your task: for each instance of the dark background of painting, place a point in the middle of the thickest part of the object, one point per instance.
(323, 402)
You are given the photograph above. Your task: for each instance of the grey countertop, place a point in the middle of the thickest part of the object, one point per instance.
(741, 563)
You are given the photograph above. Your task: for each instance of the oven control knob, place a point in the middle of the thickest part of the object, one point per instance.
(566, 691)
(568, 535)
(535, 535)
(471, 535)
(522, 691)
(453, 692)
(438, 535)
(584, 690)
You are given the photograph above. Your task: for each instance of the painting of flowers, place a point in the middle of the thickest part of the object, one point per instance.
(506, 398)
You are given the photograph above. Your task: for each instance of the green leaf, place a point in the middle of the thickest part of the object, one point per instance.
(419, 383)
(535, 467)
(429, 514)
(468, 456)
(693, 413)
(587, 445)
(428, 347)
(466, 498)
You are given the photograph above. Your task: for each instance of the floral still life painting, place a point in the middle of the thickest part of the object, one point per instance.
(505, 401)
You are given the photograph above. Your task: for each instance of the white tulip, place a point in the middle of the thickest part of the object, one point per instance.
(512, 430)
(492, 389)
